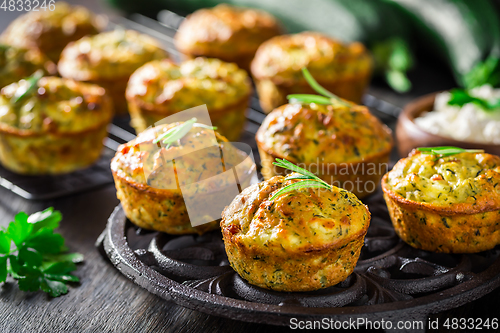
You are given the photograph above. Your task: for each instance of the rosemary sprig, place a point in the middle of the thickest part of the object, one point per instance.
(308, 178)
(327, 98)
(32, 83)
(447, 150)
(178, 132)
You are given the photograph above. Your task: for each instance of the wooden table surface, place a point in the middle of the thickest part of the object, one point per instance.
(105, 300)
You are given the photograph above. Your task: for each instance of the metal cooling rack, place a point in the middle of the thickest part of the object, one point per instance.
(99, 174)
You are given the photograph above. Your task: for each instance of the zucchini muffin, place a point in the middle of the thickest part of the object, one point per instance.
(343, 69)
(50, 31)
(301, 240)
(148, 177)
(230, 33)
(162, 88)
(108, 59)
(52, 125)
(445, 203)
(17, 63)
(344, 145)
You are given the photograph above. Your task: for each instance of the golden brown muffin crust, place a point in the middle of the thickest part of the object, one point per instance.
(165, 86)
(111, 55)
(50, 30)
(465, 183)
(313, 133)
(56, 105)
(225, 29)
(281, 59)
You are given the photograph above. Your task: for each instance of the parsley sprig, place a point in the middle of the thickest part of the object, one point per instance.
(308, 178)
(460, 97)
(326, 98)
(447, 150)
(178, 132)
(34, 255)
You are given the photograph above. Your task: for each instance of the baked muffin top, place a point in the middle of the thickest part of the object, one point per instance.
(302, 220)
(51, 30)
(467, 178)
(197, 157)
(108, 55)
(17, 63)
(281, 58)
(314, 133)
(53, 105)
(164, 84)
(225, 28)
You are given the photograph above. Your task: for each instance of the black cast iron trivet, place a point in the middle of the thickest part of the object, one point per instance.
(392, 281)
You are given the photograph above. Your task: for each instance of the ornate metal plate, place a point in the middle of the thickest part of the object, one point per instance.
(392, 281)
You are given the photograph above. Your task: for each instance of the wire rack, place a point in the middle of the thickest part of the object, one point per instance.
(120, 131)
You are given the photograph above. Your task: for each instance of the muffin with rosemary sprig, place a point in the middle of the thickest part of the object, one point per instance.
(50, 125)
(108, 59)
(294, 233)
(340, 142)
(161, 88)
(17, 63)
(230, 33)
(344, 69)
(150, 170)
(49, 31)
(445, 199)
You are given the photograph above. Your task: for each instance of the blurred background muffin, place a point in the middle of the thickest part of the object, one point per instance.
(108, 59)
(343, 69)
(445, 202)
(229, 33)
(162, 88)
(51, 30)
(17, 63)
(148, 176)
(301, 240)
(52, 125)
(343, 144)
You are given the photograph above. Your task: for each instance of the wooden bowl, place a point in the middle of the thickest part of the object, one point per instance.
(409, 135)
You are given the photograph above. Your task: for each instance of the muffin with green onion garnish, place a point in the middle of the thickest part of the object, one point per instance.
(344, 69)
(50, 30)
(150, 170)
(161, 88)
(108, 59)
(294, 233)
(17, 63)
(340, 142)
(50, 125)
(445, 199)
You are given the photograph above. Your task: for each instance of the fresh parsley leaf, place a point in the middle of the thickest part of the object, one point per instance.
(4, 243)
(3, 269)
(47, 218)
(20, 229)
(37, 259)
(45, 241)
(30, 257)
(54, 288)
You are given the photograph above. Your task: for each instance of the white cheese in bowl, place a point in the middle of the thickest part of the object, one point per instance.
(464, 123)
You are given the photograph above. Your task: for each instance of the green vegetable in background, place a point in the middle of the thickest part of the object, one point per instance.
(32, 253)
(466, 33)
(371, 22)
